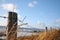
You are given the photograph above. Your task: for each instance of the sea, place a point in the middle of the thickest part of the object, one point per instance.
(22, 31)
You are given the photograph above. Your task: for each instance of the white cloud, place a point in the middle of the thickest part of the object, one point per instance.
(58, 20)
(8, 7)
(32, 4)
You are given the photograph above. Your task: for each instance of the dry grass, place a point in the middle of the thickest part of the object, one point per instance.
(49, 35)
(28, 37)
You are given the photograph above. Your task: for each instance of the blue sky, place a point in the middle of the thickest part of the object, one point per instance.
(39, 12)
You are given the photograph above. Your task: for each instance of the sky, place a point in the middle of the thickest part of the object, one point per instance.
(39, 13)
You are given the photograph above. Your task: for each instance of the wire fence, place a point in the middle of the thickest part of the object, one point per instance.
(17, 30)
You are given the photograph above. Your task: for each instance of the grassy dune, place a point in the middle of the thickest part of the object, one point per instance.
(28, 37)
(49, 35)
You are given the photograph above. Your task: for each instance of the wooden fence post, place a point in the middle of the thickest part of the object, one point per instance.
(46, 29)
(12, 26)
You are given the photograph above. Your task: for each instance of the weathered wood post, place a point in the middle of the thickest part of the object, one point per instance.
(46, 29)
(12, 26)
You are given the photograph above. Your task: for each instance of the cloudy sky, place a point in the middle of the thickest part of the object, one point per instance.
(40, 13)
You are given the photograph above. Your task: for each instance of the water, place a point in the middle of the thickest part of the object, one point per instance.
(2, 28)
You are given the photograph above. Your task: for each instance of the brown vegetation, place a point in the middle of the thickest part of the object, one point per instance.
(32, 37)
(49, 35)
